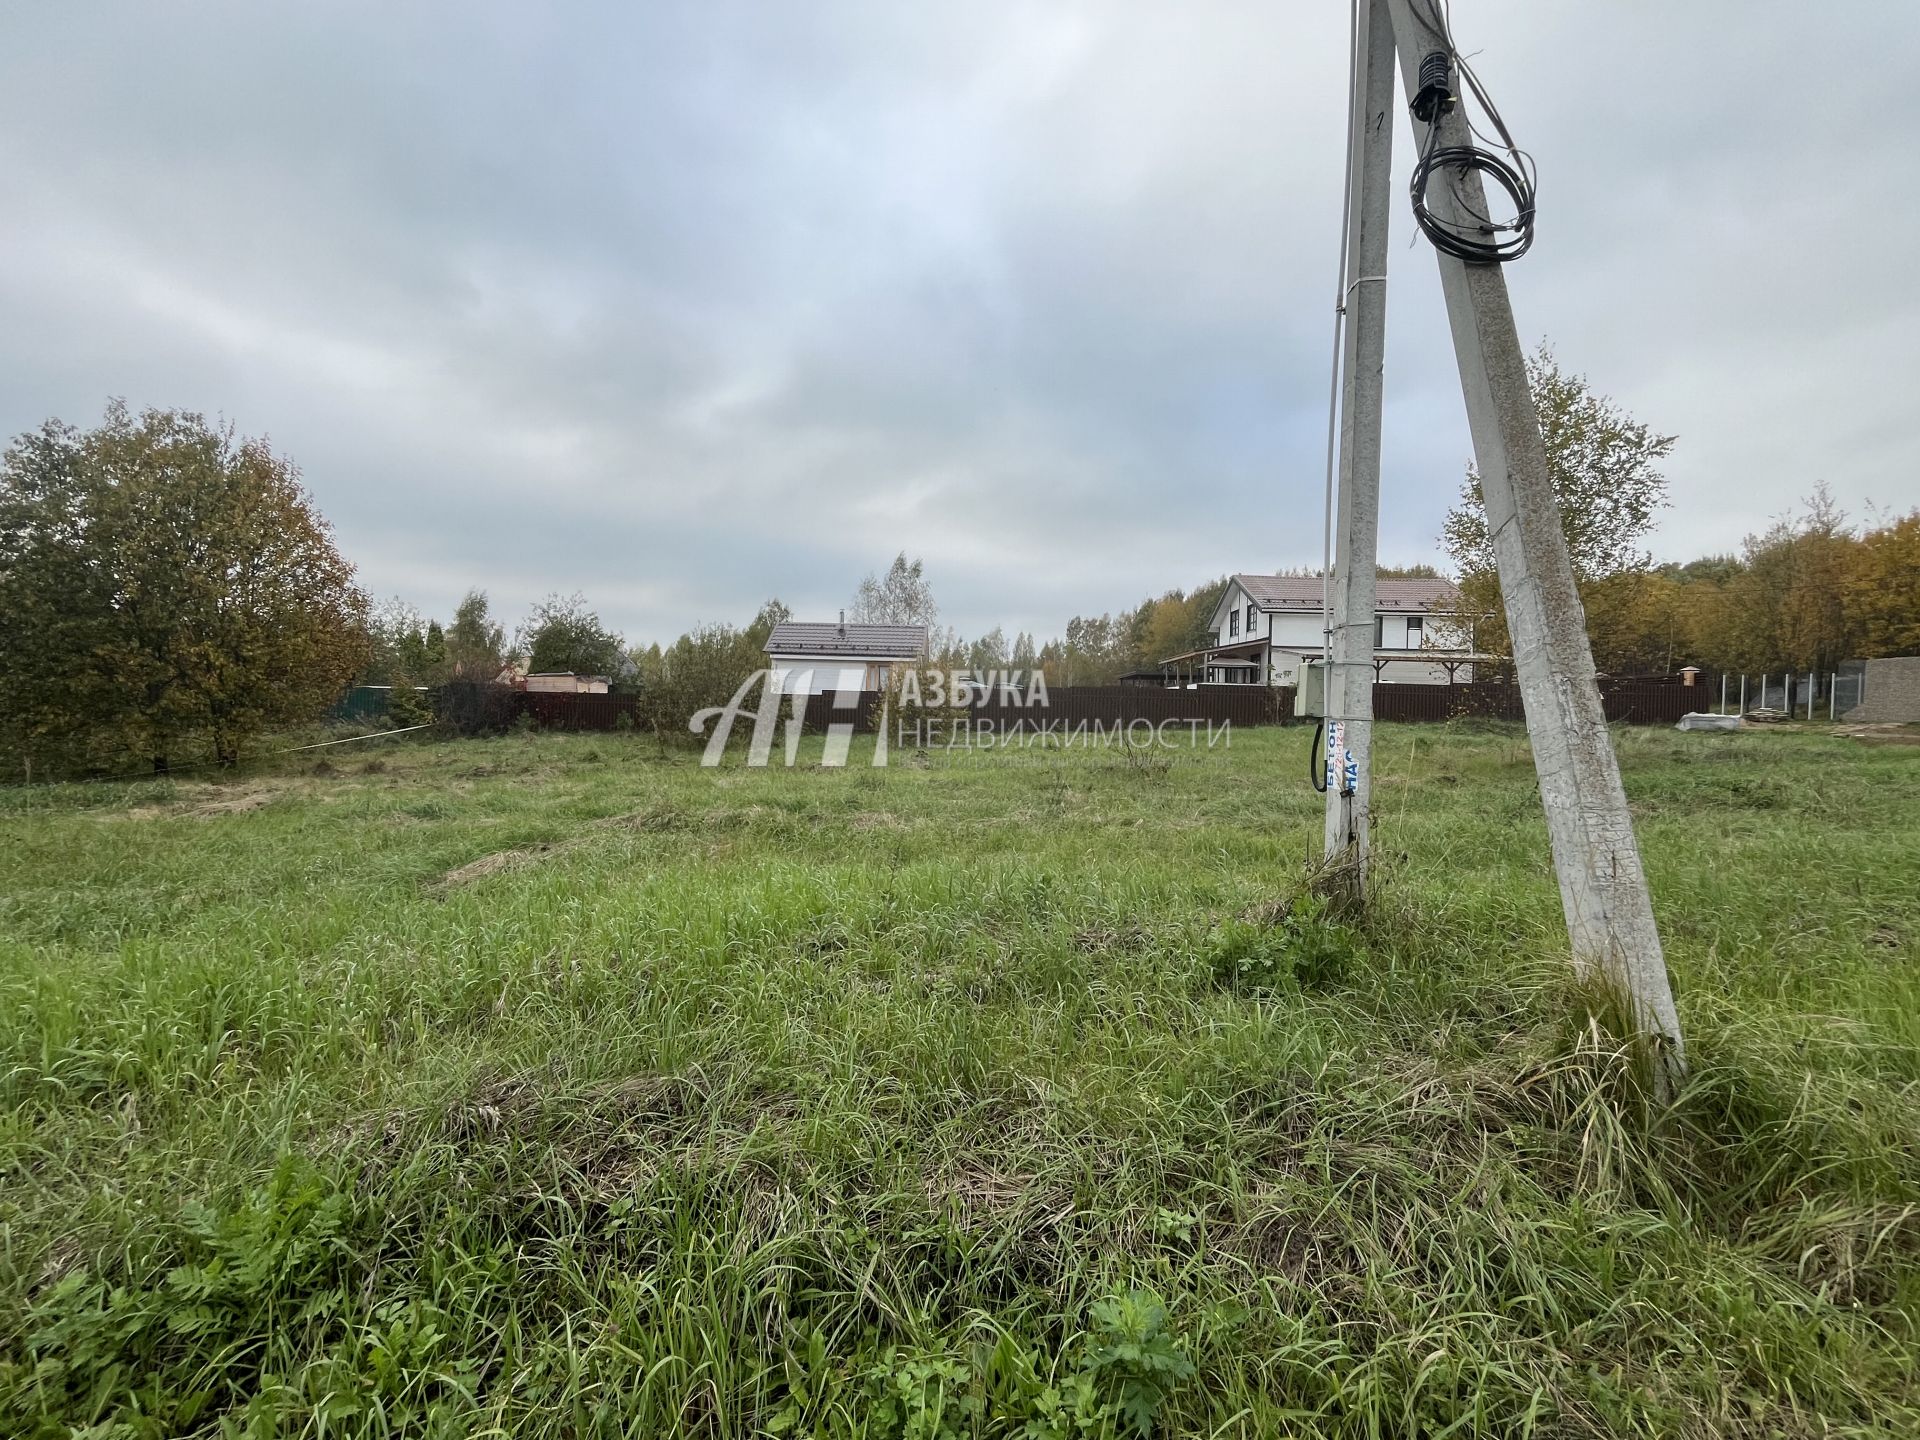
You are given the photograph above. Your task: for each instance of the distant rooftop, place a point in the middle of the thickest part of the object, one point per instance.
(865, 642)
(1304, 592)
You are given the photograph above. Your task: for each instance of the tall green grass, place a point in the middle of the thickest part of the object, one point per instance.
(556, 1086)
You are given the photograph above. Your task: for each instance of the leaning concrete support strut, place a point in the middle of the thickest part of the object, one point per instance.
(1603, 888)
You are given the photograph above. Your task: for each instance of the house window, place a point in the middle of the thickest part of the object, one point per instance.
(1251, 612)
(1379, 632)
(1233, 623)
(1415, 627)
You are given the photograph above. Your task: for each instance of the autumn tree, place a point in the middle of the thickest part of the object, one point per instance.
(164, 581)
(988, 653)
(1168, 629)
(704, 667)
(902, 596)
(1641, 622)
(1090, 653)
(401, 644)
(564, 635)
(1604, 467)
(1882, 589)
(476, 644)
(1788, 604)
(1098, 649)
(774, 612)
(1176, 623)
(946, 648)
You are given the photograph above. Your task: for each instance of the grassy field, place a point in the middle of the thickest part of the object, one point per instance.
(554, 1086)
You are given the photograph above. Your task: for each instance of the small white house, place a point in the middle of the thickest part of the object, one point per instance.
(1267, 627)
(818, 657)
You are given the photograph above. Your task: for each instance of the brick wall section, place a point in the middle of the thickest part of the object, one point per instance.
(1892, 693)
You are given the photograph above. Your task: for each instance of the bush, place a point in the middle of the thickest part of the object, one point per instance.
(1112, 1384)
(1297, 945)
(407, 704)
(475, 707)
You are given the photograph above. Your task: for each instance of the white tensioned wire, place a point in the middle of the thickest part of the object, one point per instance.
(1333, 384)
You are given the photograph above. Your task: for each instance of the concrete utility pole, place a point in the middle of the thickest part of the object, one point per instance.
(1350, 671)
(1603, 889)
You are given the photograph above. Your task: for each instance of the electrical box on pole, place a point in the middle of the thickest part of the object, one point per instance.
(1310, 694)
(1603, 888)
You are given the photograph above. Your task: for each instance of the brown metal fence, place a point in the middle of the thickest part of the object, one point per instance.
(1110, 705)
(560, 711)
(1639, 702)
(1635, 702)
(1071, 706)
(582, 712)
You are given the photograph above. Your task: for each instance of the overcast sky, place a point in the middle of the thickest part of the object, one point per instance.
(686, 305)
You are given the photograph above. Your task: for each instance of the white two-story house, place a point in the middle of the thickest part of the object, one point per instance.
(1266, 627)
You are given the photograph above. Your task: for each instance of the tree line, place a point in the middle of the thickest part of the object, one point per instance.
(168, 589)
(1810, 591)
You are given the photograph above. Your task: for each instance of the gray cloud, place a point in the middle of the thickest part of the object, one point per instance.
(684, 306)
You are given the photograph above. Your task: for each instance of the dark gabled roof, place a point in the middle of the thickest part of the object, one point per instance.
(1305, 592)
(866, 642)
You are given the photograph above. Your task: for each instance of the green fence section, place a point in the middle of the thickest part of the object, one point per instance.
(362, 702)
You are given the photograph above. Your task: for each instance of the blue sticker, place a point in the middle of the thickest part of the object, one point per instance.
(1340, 760)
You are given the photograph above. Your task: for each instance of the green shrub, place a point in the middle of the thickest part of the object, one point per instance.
(162, 1355)
(407, 704)
(474, 707)
(1296, 947)
(920, 1398)
(1133, 1358)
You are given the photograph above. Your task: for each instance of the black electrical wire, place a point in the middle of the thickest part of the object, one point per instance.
(1316, 767)
(1470, 241)
(1478, 239)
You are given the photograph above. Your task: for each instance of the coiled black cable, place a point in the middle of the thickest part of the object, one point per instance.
(1477, 239)
(1470, 241)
